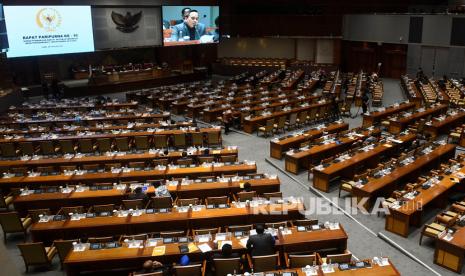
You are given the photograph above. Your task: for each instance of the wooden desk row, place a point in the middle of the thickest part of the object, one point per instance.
(283, 144)
(88, 260)
(376, 117)
(113, 225)
(68, 129)
(124, 158)
(128, 134)
(122, 175)
(54, 201)
(211, 114)
(146, 117)
(383, 186)
(398, 124)
(347, 168)
(451, 253)
(400, 218)
(444, 123)
(251, 125)
(61, 106)
(302, 159)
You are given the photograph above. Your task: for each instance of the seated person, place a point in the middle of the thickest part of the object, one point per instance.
(247, 187)
(190, 29)
(226, 252)
(150, 266)
(138, 194)
(261, 244)
(160, 189)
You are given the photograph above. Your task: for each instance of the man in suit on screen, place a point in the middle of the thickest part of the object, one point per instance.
(190, 29)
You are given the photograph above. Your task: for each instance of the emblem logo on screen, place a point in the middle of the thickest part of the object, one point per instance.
(48, 19)
(126, 23)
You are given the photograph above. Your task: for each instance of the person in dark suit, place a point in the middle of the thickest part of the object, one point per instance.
(261, 244)
(226, 252)
(150, 266)
(138, 194)
(191, 28)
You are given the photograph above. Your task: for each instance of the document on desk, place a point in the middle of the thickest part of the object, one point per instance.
(192, 247)
(243, 242)
(204, 247)
(159, 250)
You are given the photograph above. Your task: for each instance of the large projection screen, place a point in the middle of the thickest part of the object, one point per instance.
(187, 25)
(48, 30)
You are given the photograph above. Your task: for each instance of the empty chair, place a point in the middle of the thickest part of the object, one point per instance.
(239, 228)
(185, 161)
(190, 270)
(280, 125)
(20, 170)
(100, 239)
(173, 234)
(197, 139)
(8, 149)
(345, 257)
(179, 140)
(104, 145)
(244, 196)
(133, 204)
(142, 142)
(91, 167)
(267, 128)
(63, 247)
(302, 118)
(292, 121)
(276, 225)
(71, 209)
(305, 222)
(227, 266)
(102, 208)
(36, 254)
(47, 148)
(160, 141)
(139, 165)
(86, 146)
(68, 168)
(211, 231)
(139, 237)
(11, 222)
(122, 143)
(187, 201)
(431, 230)
(264, 263)
(109, 166)
(228, 158)
(35, 214)
(26, 148)
(67, 146)
(216, 200)
(206, 159)
(164, 202)
(6, 200)
(298, 261)
(275, 195)
(161, 162)
(47, 169)
(213, 138)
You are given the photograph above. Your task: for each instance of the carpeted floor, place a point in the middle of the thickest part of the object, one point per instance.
(363, 230)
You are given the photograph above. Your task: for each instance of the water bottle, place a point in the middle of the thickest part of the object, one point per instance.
(180, 38)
